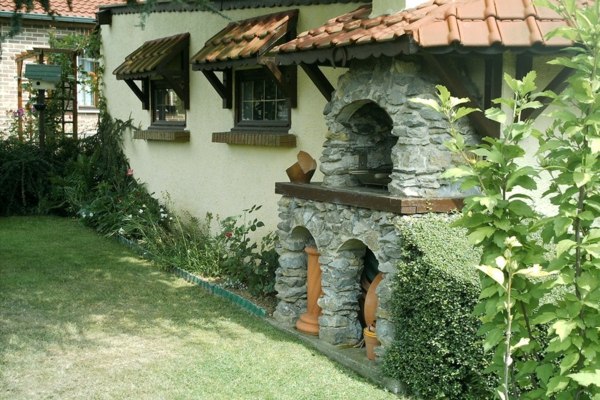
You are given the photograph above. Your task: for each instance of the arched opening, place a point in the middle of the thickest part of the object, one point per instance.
(370, 141)
(367, 276)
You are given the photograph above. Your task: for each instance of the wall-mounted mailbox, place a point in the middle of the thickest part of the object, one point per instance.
(43, 76)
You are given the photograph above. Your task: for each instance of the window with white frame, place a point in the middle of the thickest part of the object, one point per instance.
(86, 71)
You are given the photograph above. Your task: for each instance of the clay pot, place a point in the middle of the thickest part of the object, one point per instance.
(303, 170)
(371, 342)
(371, 301)
(309, 321)
(297, 175)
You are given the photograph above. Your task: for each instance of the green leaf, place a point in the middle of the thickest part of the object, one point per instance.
(543, 318)
(563, 328)
(535, 272)
(561, 224)
(544, 372)
(521, 208)
(563, 246)
(581, 178)
(428, 102)
(494, 273)
(478, 235)
(587, 378)
(464, 111)
(594, 145)
(556, 384)
(496, 114)
(492, 339)
(569, 361)
(522, 342)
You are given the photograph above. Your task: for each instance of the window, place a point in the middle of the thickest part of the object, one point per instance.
(167, 108)
(86, 71)
(260, 103)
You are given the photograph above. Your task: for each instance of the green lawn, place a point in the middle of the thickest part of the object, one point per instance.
(83, 317)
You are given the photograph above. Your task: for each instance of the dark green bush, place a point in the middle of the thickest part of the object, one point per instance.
(437, 352)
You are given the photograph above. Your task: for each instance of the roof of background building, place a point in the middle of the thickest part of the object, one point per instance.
(79, 8)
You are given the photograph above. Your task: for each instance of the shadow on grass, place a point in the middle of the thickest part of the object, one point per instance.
(62, 285)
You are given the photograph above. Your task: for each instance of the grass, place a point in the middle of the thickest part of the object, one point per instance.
(82, 317)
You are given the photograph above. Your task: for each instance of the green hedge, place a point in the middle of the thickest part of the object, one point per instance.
(436, 352)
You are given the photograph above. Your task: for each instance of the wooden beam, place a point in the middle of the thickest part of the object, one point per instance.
(368, 198)
(524, 64)
(319, 79)
(492, 80)
(453, 81)
(285, 79)
(223, 88)
(557, 85)
(141, 94)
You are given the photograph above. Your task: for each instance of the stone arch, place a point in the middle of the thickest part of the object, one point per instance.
(418, 156)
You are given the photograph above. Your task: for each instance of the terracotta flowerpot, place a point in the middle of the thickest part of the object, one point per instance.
(371, 342)
(309, 321)
(371, 301)
(303, 170)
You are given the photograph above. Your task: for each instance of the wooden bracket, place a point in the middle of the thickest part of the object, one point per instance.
(319, 79)
(224, 89)
(143, 94)
(286, 79)
(453, 81)
(524, 65)
(557, 85)
(492, 80)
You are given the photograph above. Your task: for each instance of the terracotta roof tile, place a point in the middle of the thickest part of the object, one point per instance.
(467, 23)
(146, 58)
(80, 8)
(247, 38)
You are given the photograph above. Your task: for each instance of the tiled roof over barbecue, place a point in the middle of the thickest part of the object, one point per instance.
(438, 23)
(245, 40)
(148, 57)
(79, 8)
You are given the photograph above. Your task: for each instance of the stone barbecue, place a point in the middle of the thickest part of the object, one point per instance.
(382, 160)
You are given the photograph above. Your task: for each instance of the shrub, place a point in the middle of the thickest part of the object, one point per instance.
(436, 351)
(247, 261)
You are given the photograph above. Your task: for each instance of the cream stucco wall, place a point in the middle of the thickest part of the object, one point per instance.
(201, 176)
(545, 73)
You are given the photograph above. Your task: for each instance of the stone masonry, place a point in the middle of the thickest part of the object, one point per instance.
(372, 123)
(419, 156)
(341, 234)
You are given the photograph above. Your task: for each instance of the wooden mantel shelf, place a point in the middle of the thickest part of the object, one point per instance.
(373, 199)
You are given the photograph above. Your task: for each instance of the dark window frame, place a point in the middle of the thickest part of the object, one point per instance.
(270, 126)
(160, 124)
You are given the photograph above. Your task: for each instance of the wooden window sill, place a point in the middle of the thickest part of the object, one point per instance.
(255, 138)
(163, 135)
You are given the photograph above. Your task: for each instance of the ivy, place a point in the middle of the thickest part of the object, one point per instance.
(540, 298)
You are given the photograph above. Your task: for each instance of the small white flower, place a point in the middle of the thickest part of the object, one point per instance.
(141, 211)
(130, 216)
(121, 231)
(91, 214)
(163, 215)
(162, 210)
(143, 206)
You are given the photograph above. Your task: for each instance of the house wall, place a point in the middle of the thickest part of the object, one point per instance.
(545, 73)
(200, 176)
(30, 37)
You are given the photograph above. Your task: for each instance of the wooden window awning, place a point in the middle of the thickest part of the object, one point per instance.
(241, 44)
(165, 58)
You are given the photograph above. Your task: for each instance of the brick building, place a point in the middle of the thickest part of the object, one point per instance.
(36, 28)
